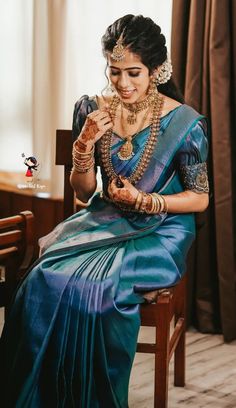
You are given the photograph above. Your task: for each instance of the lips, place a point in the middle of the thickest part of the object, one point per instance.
(126, 93)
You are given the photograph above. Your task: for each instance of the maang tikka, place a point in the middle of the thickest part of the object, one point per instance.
(118, 52)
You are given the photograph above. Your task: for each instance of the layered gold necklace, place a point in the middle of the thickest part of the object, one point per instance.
(126, 150)
(106, 141)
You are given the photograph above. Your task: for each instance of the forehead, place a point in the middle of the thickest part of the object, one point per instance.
(130, 60)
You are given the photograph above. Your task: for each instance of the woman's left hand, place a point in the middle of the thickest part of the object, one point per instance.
(126, 195)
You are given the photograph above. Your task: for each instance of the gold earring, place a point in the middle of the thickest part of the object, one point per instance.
(153, 84)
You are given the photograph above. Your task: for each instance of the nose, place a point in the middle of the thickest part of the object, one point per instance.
(123, 80)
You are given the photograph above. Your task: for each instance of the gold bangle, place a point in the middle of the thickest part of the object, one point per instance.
(161, 202)
(165, 204)
(143, 205)
(158, 203)
(82, 170)
(153, 205)
(138, 201)
(75, 148)
(82, 166)
(78, 153)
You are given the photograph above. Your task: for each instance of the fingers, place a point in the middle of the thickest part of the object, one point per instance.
(100, 115)
(112, 188)
(122, 195)
(96, 124)
(126, 182)
(101, 119)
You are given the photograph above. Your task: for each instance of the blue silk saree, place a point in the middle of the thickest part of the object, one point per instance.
(70, 337)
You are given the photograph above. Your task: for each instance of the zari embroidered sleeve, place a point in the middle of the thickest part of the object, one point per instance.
(191, 159)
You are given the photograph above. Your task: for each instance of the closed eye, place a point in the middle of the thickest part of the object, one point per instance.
(134, 74)
(130, 73)
(115, 73)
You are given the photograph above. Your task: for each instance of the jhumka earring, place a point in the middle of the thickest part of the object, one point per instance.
(164, 72)
(118, 52)
(110, 89)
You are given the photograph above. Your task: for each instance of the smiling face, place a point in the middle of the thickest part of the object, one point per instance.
(130, 77)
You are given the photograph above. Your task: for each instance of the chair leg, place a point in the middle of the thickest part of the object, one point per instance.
(162, 352)
(179, 362)
(179, 355)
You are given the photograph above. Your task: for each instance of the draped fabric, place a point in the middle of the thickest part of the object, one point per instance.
(71, 334)
(204, 56)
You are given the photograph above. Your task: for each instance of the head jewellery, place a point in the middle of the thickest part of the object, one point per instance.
(164, 72)
(118, 52)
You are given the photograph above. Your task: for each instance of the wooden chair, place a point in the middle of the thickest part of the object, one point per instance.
(16, 251)
(168, 307)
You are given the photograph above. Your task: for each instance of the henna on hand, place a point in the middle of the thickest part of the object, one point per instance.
(123, 195)
(96, 124)
(90, 130)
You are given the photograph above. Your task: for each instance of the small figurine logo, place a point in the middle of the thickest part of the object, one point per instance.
(32, 164)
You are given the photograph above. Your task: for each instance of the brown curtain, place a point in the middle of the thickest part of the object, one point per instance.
(203, 53)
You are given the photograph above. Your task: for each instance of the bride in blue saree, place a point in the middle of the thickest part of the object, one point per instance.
(70, 337)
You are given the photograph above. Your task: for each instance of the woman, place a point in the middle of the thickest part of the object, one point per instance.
(71, 336)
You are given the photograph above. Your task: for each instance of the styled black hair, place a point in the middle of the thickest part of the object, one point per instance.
(144, 38)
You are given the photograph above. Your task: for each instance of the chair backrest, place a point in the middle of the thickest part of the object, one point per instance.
(64, 143)
(16, 251)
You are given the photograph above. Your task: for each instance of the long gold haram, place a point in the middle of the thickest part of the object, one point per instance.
(144, 160)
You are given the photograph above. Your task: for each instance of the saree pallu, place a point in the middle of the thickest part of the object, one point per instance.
(70, 337)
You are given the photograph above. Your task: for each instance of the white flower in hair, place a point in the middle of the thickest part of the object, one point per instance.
(164, 72)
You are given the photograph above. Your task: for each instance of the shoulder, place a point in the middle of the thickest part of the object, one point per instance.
(85, 104)
(169, 105)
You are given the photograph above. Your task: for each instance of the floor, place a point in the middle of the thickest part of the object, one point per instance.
(210, 374)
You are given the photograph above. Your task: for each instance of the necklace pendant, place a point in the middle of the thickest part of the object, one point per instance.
(131, 119)
(126, 151)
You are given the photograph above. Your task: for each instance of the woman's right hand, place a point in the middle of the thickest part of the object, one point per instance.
(96, 124)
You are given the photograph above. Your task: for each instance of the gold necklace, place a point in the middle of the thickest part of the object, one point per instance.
(145, 157)
(126, 150)
(137, 107)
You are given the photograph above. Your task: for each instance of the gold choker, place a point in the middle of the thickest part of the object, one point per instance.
(137, 107)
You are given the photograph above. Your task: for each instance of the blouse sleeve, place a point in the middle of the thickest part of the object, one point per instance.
(83, 107)
(191, 159)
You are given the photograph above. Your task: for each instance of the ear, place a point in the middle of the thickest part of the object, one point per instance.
(154, 73)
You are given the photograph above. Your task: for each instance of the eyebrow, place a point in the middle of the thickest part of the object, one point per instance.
(125, 69)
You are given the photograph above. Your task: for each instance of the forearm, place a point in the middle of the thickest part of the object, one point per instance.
(83, 175)
(187, 201)
(84, 184)
(122, 192)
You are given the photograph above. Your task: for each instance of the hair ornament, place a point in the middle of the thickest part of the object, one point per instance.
(118, 52)
(164, 72)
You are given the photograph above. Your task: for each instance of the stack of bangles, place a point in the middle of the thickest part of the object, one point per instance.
(150, 203)
(83, 162)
